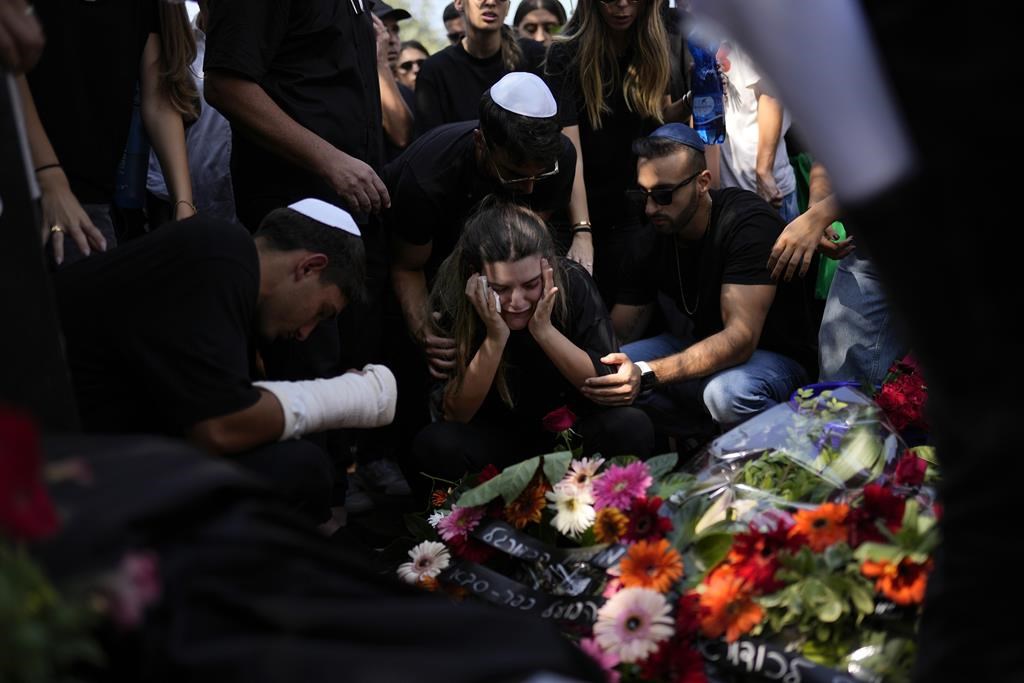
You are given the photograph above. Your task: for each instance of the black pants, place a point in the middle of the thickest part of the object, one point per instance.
(299, 470)
(451, 449)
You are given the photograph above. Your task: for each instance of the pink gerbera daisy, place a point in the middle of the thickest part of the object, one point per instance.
(605, 660)
(632, 623)
(618, 486)
(459, 523)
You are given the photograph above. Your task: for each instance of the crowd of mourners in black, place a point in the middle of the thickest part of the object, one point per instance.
(346, 255)
(279, 234)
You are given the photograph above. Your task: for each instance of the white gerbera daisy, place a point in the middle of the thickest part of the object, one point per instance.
(632, 623)
(582, 472)
(574, 508)
(429, 559)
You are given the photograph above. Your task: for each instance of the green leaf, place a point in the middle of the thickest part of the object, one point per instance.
(837, 556)
(711, 548)
(660, 465)
(862, 598)
(515, 478)
(556, 465)
(622, 460)
(419, 527)
(482, 494)
(830, 609)
(877, 552)
(672, 484)
(926, 453)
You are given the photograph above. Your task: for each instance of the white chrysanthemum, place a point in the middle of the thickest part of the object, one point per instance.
(429, 559)
(582, 472)
(435, 517)
(574, 508)
(632, 623)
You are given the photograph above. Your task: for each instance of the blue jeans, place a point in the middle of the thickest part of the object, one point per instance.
(730, 396)
(790, 208)
(857, 339)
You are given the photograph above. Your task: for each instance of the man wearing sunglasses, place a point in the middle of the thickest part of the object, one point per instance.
(735, 342)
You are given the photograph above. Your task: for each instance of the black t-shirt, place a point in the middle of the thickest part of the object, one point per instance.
(734, 250)
(536, 385)
(609, 167)
(435, 185)
(158, 330)
(318, 61)
(451, 81)
(84, 84)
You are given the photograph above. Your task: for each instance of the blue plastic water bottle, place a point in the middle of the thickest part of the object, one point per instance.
(130, 181)
(708, 103)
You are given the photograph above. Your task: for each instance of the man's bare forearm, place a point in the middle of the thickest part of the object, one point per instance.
(248, 106)
(411, 289)
(723, 350)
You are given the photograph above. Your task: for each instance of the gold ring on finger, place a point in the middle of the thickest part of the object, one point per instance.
(56, 228)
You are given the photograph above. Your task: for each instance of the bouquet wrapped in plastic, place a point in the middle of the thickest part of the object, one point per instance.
(795, 547)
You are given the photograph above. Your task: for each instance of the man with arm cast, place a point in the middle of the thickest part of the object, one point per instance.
(174, 353)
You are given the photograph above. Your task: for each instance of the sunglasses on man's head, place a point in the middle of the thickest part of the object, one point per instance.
(662, 196)
(407, 66)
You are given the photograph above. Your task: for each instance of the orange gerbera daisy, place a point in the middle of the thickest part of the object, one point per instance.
(528, 506)
(428, 583)
(655, 565)
(727, 606)
(610, 525)
(438, 497)
(822, 526)
(903, 583)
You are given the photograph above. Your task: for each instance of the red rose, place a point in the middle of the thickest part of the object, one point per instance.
(910, 470)
(488, 473)
(25, 509)
(878, 503)
(559, 420)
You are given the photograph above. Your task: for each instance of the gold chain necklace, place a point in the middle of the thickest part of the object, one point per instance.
(679, 272)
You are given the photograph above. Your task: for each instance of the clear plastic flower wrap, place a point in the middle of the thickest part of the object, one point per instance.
(824, 440)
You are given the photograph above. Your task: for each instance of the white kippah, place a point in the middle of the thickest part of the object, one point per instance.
(524, 94)
(328, 214)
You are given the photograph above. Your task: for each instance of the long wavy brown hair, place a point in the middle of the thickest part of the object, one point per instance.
(177, 52)
(498, 231)
(645, 82)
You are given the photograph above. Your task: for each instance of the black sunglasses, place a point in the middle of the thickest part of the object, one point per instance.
(407, 66)
(661, 195)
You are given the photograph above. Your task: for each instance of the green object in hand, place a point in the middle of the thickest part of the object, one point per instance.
(827, 266)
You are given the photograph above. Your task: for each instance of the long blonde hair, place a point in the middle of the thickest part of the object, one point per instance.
(498, 231)
(645, 82)
(177, 52)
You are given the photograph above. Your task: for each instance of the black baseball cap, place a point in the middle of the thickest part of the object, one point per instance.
(386, 11)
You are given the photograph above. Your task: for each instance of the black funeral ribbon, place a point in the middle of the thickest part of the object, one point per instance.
(509, 540)
(490, 586)
(766, 662)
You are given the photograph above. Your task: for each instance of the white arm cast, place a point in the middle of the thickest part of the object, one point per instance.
(349, 400)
